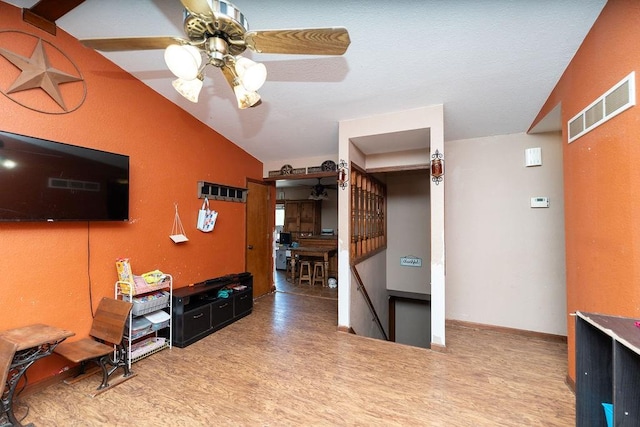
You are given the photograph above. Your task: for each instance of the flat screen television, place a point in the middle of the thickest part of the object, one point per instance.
(285, 238)
(44, 180)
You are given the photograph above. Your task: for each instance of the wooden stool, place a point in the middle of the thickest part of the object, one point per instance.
(305, 273)
(290, 278)
(318, 272)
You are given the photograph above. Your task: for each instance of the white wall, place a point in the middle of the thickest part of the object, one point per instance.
(505, 260)
(372, 271)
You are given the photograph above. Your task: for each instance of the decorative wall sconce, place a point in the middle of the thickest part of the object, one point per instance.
(343, 174)
(437, 167)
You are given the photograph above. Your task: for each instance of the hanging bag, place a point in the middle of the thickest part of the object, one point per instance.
(206, 217)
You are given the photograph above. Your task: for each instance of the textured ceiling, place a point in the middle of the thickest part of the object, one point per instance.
(491, 63)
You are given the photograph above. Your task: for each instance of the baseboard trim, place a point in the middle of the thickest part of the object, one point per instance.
(346, 329)
(522, 332)
(439, 348)
(49, 381)
(570, 383)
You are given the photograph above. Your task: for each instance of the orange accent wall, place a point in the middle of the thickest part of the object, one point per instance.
(601, 173)
(56, 273)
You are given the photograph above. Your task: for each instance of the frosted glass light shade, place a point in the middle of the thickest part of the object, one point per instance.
(183, 61)
(245, 98)
(190, 89)
(252, 74)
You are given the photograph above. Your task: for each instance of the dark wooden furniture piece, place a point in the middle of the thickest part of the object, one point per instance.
(324, 252)
(105, 344)
(30, 343)
(607, 369)
(208, 306)
(302, 218)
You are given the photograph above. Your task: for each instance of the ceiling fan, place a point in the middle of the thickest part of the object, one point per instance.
(319, 191)
(216, 34)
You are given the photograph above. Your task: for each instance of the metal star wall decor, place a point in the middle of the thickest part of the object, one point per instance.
(36, 72)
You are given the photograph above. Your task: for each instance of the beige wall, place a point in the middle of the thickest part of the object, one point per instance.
(408, 231)
(505, 260)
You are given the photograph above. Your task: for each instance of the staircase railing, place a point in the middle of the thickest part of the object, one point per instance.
(365, 294)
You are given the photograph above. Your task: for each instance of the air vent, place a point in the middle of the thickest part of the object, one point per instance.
(72, 184)
(221, 192)
(616, 100)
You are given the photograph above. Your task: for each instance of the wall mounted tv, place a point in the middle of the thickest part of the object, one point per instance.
(44, 180)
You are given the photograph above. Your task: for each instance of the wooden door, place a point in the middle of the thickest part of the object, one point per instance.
(260, 218)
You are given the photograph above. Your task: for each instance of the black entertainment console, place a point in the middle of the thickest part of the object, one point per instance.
(208, 306)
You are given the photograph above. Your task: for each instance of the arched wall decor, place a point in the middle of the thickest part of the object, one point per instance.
(29, 63)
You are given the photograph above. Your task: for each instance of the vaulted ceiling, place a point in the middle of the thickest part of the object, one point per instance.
(491, 63)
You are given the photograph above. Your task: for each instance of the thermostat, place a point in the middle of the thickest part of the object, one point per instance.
(539, 202)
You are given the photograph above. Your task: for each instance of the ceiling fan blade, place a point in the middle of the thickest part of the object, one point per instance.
(112, 44)
(310, 41)
(199, 7)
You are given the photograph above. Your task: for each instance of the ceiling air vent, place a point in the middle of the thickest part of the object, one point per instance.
(616, 100)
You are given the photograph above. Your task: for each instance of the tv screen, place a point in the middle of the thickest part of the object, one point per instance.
(285, 238)
(44, 180)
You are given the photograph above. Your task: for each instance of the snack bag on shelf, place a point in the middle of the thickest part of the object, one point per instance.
(124, 270)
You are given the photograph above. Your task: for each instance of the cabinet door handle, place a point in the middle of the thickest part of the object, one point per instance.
(223, 305)
(244, 297)
(197, 316)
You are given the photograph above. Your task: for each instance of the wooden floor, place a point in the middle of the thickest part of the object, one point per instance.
(286, 365)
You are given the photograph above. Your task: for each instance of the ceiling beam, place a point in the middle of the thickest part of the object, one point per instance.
(45, 13)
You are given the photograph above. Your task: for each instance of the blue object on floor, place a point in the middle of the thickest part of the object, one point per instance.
(608, 413)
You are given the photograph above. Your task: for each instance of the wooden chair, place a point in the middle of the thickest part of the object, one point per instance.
(7, 351)
(104, 345)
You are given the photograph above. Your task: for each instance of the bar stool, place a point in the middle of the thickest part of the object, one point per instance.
(305, 273)
(318, 272)
(289, 270)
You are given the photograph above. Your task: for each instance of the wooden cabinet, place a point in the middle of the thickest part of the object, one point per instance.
(302, 218)
(607, 369)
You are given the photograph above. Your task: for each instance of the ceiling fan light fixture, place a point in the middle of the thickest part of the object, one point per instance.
(190, 89)
(252, 74)
(245, 98)
(184, 61)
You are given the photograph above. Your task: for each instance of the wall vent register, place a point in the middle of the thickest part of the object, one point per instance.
(619, 98)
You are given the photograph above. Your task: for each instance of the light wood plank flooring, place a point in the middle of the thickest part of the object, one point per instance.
(286, 365)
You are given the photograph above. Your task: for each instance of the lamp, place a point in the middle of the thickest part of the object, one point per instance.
(343, 174)
(190, 89)
(437, 167)
(245, 97)
(184, 61)
(252, 75)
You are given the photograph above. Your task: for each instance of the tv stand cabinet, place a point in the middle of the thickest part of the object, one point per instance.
(200, 310)
(607, 369)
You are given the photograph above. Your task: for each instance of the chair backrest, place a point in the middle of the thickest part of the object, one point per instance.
(7, 351)
(110, 320)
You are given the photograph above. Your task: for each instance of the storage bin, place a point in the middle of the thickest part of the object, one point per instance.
(148, 303)
(159, 319)
(140, 326)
